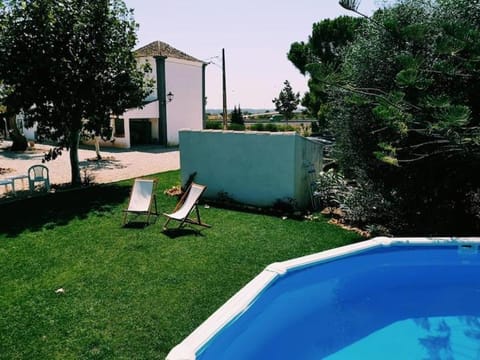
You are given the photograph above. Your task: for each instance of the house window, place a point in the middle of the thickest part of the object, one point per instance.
(119, 127)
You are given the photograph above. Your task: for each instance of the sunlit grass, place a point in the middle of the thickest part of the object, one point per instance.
(128, 293)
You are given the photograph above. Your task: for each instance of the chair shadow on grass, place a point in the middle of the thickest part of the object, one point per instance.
(176, 233)
(136, 225)
(57, 209)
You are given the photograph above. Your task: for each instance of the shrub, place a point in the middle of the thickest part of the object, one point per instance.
(286, 128)
(405, 112)
(271, 127)
(214, 125)
(331, 189)
(361, 204)
(367, 207)
(257, 127)
(236, 127)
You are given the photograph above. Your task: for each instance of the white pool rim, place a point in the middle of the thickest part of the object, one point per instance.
(238, 303)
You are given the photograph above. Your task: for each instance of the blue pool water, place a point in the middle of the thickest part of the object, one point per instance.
(419, 302)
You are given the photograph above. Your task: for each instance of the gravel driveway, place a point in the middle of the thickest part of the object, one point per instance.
(117, 164)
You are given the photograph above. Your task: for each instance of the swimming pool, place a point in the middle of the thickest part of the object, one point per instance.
(393, 298)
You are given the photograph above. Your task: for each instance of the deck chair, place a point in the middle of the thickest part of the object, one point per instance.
(186, 205)
(38, 174)
(142, 198)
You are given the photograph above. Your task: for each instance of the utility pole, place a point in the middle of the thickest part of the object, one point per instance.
(224, 91)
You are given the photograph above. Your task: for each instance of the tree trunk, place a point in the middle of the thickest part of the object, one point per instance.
(97, 147)
(74, 163)
(19, 142)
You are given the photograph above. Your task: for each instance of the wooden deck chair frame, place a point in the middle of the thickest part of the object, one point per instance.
(142, 198)
(187, 204)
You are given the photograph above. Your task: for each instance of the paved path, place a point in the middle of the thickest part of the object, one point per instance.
(118, 164)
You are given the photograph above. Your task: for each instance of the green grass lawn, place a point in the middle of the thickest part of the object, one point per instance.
(130, 293)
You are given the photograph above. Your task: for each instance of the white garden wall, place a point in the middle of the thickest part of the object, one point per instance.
(256, 168)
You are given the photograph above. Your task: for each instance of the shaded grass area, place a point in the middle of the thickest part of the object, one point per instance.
(129, 293)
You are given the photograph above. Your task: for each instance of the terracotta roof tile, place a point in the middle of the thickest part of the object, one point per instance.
(159, 48)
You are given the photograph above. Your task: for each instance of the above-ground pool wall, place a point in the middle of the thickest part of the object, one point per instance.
(255, 168)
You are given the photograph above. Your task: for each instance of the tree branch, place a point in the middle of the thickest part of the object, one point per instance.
(381, 96)
(426, 143)
(424, 156)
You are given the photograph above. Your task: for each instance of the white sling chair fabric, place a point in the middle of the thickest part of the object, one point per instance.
(142, 198)
(186, 205)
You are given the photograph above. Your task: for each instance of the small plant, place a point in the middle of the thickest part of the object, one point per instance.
(305, 130)
(331, 189)
(87, 177)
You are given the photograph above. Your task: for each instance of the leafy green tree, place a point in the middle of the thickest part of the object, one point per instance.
(69, 66)
(8, 125)
(325, 45)
(287, 101)
(406, 113)
(19, 142)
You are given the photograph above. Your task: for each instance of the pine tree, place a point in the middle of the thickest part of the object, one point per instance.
(237, 116)
(287, 101)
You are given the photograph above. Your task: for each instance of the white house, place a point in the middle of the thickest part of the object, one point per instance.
(177, 102)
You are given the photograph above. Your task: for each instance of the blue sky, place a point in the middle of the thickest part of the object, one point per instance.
(256, 36)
